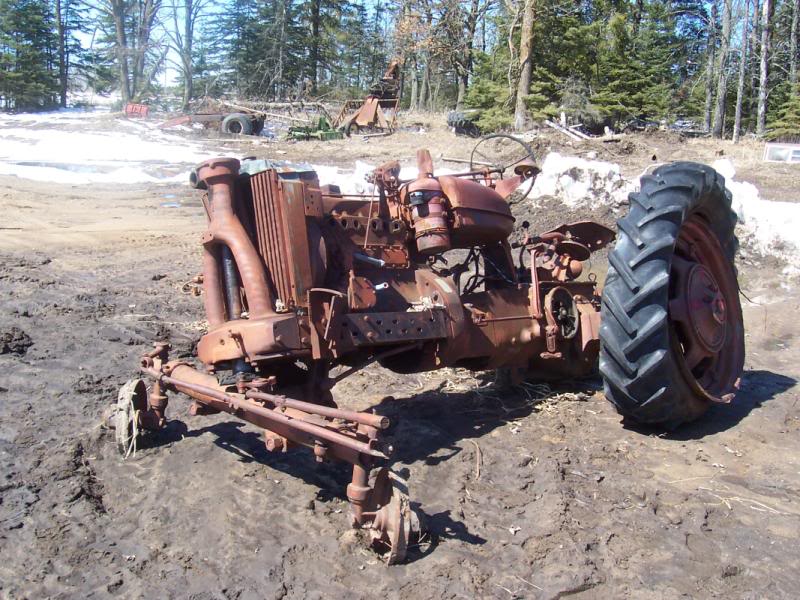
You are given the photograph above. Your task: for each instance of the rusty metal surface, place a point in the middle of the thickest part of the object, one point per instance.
(384, 95)
(705, 308)
(225, 228)
(292, 424)
(134, 110)
(373, 328)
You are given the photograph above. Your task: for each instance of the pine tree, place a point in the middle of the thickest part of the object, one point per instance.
(28, 67)
(786, 128)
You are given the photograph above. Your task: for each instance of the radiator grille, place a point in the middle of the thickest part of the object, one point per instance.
(270, 229)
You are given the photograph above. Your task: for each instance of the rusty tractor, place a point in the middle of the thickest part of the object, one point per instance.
(301, 281)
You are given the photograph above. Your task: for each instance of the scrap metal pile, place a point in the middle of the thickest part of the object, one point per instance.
(307, 120)
(378, 111)
(301, 281)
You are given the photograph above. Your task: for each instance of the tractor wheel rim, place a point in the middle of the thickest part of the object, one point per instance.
(707, 315)
(705, 311)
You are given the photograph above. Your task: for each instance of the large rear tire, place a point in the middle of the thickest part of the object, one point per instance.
(672, 337)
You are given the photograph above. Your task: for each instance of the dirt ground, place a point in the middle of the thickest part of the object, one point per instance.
(538, 492)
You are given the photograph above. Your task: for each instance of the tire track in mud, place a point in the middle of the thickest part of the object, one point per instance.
(54, 396)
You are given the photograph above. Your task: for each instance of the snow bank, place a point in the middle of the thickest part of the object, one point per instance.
(772, 228)
(352, 181)
(53, 118)
(349, 181)
(580, 182)
(77, 147)
(769, 228)
(81, 147)
(20, 144)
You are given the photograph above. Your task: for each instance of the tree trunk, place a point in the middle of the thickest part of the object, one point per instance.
(425, 87)
(62, 54)
(315, 17)
(793, 44)
(763, 79)
(718, 129)
(279, 88)
(186, 52)
(118, 15)
(755, 54)
(188, 85)
(743, 60)
(147, 16)
(462, 89)
(483, 34)
(413, 102)
(401, 86)
(422, 91)
(465, 70)
(711, 52)
(525, 65)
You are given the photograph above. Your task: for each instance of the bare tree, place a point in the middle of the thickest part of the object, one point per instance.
(711, 51)
(133, 23)
(461, 32)
(763, 79)
(145, 14)
(793, 44)
(718, 128)
(118, 13)
(525, 64)
(743, 52)
(185, 16)
(416, 44)
(755, 58)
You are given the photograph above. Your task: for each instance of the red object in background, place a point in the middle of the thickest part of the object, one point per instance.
(140, 111)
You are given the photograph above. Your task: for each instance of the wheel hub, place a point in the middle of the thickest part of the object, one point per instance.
(707, 312)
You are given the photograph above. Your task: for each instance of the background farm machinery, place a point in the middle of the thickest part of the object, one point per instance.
(376, 113)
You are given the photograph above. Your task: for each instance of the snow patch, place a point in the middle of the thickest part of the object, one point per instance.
(349, 181)
(64, 116)
(772, 228)
(353, 181)
(71, 147)
(580, 182)
(769, 228)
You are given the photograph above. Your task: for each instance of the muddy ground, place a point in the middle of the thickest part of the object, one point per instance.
(535, 493)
